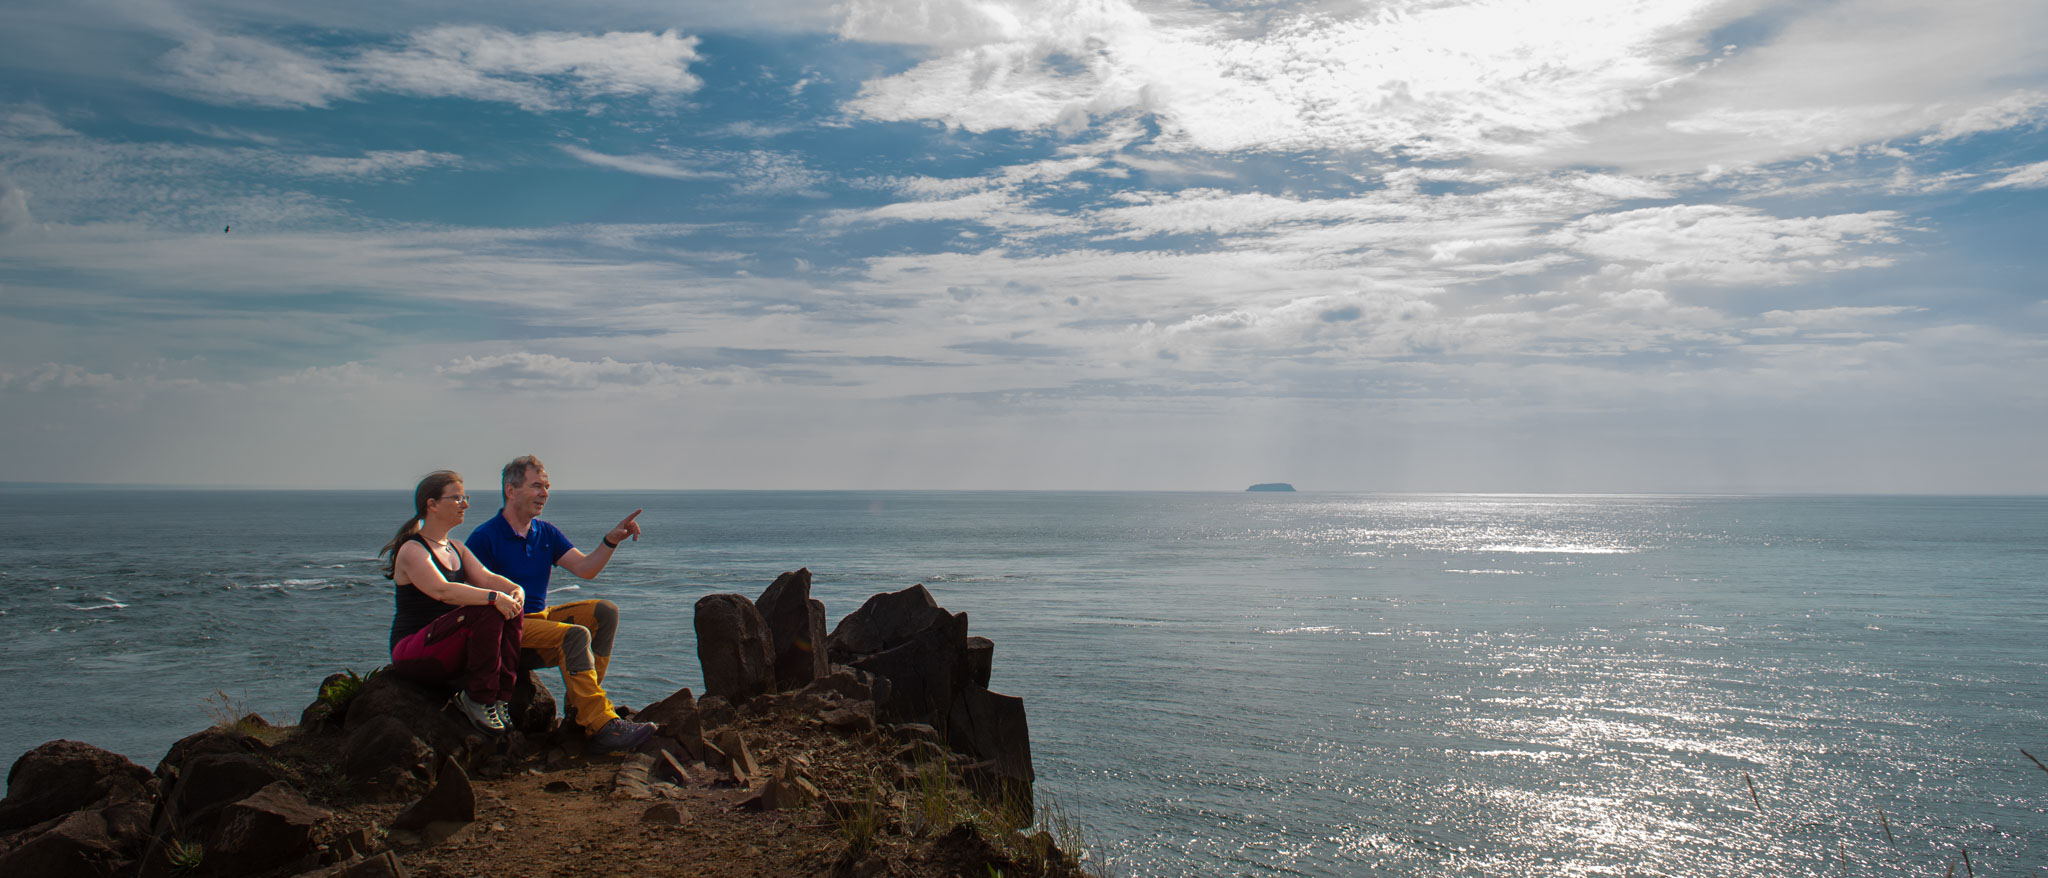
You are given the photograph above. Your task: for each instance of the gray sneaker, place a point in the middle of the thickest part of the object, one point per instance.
(483, 716)
(620, 735)
(503, 709)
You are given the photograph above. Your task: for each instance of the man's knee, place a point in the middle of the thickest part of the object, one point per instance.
(576, 656)
(606, 625)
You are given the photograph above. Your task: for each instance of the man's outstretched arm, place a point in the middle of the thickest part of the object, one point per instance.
(588, 565)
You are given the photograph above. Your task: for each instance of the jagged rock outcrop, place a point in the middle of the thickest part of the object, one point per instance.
(938, 676)
(886, 621)
(91, 841)
(735, 647)
(909, 696)
(898, 659)
(451, 800)
(796, 624)
(73, 809)
(262, 831)
(60, 777)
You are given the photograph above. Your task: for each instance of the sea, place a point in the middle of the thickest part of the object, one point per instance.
(1316, 684)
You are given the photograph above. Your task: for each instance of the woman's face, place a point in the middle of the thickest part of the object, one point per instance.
(450, 507)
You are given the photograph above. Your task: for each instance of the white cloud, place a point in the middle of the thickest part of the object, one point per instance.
(1837, 76)
(649, 166)
(536, 71)
(1638, 300)
(1837, 316)
(232, 69)
(2034, 176)
(83, 179)
(1434, 80)
(375, 164)
(486, 63)
(1620, 83)
(761, 172)
(14, 212)
(2026, 108)
(532, 371)
(30, 121)
(754, 172)
(1727, 245)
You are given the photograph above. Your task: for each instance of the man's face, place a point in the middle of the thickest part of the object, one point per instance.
(529, 497)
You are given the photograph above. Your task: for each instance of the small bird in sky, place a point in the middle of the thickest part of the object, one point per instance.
(226, 229)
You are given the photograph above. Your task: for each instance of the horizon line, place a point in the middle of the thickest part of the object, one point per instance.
(220, 487)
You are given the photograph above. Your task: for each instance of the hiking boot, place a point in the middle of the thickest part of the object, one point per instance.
(483, 716)
(620, 735)
(504, 711)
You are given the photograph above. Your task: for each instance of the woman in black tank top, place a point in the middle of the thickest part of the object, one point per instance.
(455, 623)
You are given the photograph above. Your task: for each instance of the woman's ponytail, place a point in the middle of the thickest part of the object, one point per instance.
(428, 490)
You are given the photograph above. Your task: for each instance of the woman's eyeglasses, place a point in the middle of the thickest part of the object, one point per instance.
(459, 498)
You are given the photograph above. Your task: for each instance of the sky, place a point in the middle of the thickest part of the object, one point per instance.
(1412, 245)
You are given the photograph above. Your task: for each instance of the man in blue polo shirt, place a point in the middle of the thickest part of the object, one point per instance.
(576, 636)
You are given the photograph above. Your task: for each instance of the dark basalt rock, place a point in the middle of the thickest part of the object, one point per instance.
(424, 709)
(63, 776)
(735, 647)
(797, 625)
(533, 706)
(213, 741)
(452, 800)
(886, 621)
(922, 670)
(383, 759)
(206, 786)
(679, 723)
(843, 682)
(926, 674)
(679, 706)
(383, 865)
(263, 831)
(979, 661)
(92, 842)
(992, 727)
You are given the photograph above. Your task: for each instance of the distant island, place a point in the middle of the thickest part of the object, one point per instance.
(1271, 486)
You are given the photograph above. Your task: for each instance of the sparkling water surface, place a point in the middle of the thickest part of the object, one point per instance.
(1230, 684)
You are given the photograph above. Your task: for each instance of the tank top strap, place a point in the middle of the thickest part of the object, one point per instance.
(452, 575)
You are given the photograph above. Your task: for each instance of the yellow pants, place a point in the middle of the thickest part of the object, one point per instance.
(577, 637)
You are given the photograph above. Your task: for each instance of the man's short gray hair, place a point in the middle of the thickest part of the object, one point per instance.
(515, 472)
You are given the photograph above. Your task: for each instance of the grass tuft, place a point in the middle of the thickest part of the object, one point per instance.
(232, 714)
(184, 858)
(859, 823)
(340, 692)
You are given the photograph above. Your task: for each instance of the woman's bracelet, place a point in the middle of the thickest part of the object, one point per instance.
(608, 542)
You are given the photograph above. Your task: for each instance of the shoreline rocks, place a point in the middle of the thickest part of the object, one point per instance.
(900, 676)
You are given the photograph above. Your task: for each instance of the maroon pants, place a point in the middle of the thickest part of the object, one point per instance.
(474, 648)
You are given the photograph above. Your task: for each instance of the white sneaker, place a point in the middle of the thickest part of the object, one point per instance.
(483, 716)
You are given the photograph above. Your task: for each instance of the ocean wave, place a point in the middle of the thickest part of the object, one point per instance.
(1489, 572)
(1306, 629)
(1567, 549)
(1537, 755)
(110, 605)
